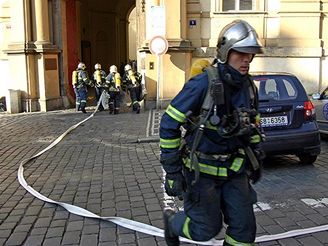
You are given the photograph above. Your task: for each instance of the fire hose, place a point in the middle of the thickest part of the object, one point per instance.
(128, 223)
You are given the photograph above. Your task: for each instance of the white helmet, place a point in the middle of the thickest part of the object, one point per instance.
(97, 66)
(239, 36)
(113, 69)
(81, 65)
(127, 67)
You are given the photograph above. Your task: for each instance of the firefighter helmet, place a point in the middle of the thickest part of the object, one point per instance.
(113, 69)
(239, 36)
(127, 67)
(81, 66)
(97, 66)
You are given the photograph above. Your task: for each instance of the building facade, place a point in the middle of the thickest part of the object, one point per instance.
(42, 41)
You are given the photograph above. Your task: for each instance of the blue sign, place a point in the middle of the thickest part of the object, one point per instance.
(192, 22)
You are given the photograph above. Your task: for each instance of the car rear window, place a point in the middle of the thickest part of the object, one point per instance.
(275, 87)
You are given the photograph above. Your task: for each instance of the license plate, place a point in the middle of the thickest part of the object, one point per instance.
(274, 121)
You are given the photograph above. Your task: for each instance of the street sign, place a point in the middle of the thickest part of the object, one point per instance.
(155, 22)
(158, 45)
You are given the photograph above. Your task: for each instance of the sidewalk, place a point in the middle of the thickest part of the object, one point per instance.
(103, 166)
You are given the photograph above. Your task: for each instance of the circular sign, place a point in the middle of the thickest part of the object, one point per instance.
(158, 45)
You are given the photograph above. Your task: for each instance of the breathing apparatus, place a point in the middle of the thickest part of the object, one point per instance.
(117, 80)
(132, 77)
(74, 78)
(236, 122)
(98, 76)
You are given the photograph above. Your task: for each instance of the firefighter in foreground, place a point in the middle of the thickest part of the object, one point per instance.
(132, 81)
(80, 80)
(99, 78)
(113, 81)
(212, 163)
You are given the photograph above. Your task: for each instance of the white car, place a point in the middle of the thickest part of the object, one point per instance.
(320, 101)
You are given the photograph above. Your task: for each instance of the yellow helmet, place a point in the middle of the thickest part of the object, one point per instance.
(198, 67)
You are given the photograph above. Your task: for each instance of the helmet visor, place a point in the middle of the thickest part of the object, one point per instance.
(249, 49)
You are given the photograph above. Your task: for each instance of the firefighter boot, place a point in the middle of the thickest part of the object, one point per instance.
(138, 108)
(170, 238)
(82, 107)
(111, 107)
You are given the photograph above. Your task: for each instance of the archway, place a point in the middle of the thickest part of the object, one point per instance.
(99, 34)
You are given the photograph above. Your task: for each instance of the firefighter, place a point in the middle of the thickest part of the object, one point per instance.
(132, 81)
(212, 162)
(99, 78)
(81, 80)
(74, 84)
(113, 81)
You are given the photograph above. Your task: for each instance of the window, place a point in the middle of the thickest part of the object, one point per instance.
(291, 91)
(275, 87)
(237, 5)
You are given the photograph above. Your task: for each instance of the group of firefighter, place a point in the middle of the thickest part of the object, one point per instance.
(111, 85)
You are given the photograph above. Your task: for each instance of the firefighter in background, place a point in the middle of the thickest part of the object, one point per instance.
(80, 82)
(99, 78)
(212, 164)
(74, 84)
(113, 81)
(132, 81)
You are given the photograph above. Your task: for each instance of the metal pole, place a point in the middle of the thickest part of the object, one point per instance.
(158, 81)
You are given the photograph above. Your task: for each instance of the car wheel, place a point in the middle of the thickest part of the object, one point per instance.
(307, 159)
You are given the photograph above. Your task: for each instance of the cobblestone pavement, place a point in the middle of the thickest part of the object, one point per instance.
(101, 166)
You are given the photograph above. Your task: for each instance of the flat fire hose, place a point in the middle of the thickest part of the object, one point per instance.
(131, 224)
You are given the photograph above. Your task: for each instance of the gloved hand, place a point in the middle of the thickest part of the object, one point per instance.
(260, 155)
(175, 184)
(255, 175)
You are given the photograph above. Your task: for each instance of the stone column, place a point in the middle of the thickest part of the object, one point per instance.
(21, 66)
(42, 21)
(46, 58)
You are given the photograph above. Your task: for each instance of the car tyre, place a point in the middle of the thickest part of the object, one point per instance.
(307, 159)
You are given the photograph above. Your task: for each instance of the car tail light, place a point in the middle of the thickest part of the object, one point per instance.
(309, 110)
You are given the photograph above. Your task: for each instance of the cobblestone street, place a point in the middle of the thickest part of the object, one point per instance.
(102, 167)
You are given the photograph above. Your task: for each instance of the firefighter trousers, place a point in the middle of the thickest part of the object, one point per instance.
(206, 201)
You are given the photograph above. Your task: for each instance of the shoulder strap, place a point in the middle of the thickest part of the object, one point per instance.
(253, 87)
(215, 90)
(208, 102)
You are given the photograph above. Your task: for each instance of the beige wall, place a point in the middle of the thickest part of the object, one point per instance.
(5, 27)
(294, 34)
(132, 35)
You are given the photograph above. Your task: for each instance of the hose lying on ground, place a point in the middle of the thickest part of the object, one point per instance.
(131, 224)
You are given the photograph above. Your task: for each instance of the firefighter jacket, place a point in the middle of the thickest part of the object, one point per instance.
(82, 79)
(131, 79)
(217, 156)
(99, 78)
(113, 81)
